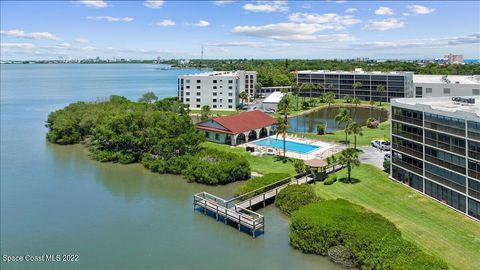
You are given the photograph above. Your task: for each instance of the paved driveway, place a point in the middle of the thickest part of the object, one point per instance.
(372, 155)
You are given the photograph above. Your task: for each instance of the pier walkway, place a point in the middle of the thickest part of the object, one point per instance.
(239, 209)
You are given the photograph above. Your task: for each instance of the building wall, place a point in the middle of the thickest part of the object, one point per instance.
(215, 137)
(218, 92)
(438, 154)
(440, 89)
(397, 85)
(247, 81)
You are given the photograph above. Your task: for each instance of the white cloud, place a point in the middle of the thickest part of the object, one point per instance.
(153, 3)
(32, 35)
(222, 3)
(351, 10)
(267, 6)
(94, 3)
(420, 10)
(306, 6)
(382, 25)
(64, 45)
(82, 40)
(110, 19)
(423, 43)
(302, 32)
(251, 44)
(166, 23)
(23, 46)
(202, 23)
(384, 11)
(338, 1)
(332, 20)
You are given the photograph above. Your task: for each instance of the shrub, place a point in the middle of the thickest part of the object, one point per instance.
(386, 166)
(258, 182)
(372, 122)
(332, 178)
(321, 129)
(348, 99)
(305, 105)
(293, 197)
(374, 242)
(341, 255)
(299, 166)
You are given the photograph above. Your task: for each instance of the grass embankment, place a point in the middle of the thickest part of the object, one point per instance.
(260, 164)
(259, 182)
(369, 134)
(437, 229)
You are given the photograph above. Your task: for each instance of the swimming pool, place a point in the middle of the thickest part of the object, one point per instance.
(292, 146)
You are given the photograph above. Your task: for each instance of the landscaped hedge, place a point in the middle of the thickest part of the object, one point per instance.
(374, 242)
(293, 197)
(258, 182)
(208, 166)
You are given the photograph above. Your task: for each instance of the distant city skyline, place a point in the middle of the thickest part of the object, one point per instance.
(34, 30)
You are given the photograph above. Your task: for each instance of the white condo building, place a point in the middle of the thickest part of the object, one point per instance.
(219, 89)
(451, 85)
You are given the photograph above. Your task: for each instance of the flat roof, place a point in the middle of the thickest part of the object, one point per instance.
(217, 73)
(443, 104)
(274, 97)
(447, 79)
(356, 72)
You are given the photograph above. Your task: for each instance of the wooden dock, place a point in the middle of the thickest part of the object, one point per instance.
(238, 209)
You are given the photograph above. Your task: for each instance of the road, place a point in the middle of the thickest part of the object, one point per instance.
(371, 155)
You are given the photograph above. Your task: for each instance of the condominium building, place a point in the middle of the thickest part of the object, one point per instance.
(436, 149)
(219, 90)
(454, 58)
(395, 84)
(451, 85)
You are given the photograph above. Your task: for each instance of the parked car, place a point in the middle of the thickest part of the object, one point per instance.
(381, 144)
(387, 157)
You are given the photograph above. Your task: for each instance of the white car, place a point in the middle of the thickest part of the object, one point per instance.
(387, 157)
(381, 144)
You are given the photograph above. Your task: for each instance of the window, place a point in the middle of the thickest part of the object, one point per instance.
(198, 93)
(230, 87)
(207, 134)
(214, 81)
(215, 87)
(214, 100)
(230, 94)
(188, 87)
(198, 86)
(187, 81)
(214, 106)
(476, 92)
(198, 105)
(198, 100)
(187, 93)
(446, 91)
(428, 90)
(217, 137)
(214, 94)
(230, 81)
(230, 100)
(198, 81)
(230, 106)
(187, 100)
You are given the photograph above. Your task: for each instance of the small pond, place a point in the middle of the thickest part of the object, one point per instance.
(308, 123)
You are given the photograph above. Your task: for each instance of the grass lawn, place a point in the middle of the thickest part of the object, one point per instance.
(382, 132)
(434, 227)
(263, 165)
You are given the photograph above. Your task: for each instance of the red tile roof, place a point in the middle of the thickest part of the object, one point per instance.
(238, 123)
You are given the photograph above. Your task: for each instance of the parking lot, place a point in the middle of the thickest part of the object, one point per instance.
(373, 156)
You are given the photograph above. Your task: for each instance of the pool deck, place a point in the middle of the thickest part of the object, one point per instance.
(325, 149)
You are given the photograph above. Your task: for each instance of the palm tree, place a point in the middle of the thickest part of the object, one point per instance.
(343, 117)
(355, 86)
(357, 102)
(295, 88)
(349, 159)
(321, 86)
(380, 89)
(308, 86)
(243, 96)
(329, 98)
(282, 121)
(355, 129)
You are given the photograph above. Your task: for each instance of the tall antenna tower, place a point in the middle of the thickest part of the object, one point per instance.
(201, 59)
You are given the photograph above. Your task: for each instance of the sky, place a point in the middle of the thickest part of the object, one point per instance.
(32, 30)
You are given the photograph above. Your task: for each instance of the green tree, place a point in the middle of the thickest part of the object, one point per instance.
(343, 117)
(243, 96)
(205, 114)
(299, 166)
(321, 128)
(355, 129)
(307, 86)
(148, 97)
(381, 90)
(329, 98)
(349, 159)
(282, 121)
(319, 86)
(295, 88)
(355, 86)
(357, 102)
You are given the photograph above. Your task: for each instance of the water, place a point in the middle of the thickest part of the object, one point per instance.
(297, 147)
(471, 61)
(308, 123)
(55, 200)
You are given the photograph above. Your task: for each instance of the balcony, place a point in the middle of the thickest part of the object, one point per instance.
(444, 128)
(474, 174)
(474, 135)
(445, 164)
(474, 193)
(408, 151)
(408, 166)
(409, 120)
(445, 146)
(445, 181)
(408, 135)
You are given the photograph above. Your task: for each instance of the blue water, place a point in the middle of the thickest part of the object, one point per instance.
(471, 61)
(290, 145)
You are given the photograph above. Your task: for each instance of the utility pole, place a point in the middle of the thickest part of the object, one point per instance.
(201, 59)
